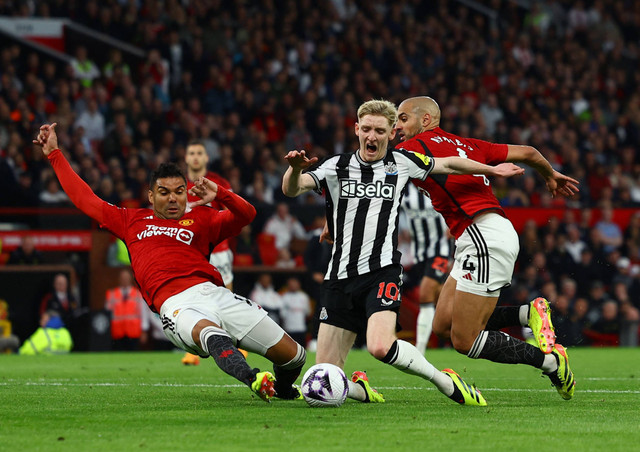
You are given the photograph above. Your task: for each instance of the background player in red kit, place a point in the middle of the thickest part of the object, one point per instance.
(221, 257)
(486, 248)
(169, 251)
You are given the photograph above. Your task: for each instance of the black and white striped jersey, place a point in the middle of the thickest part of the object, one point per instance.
(429, 232)
(363, 204)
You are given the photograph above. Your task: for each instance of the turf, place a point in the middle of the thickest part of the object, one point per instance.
(149, 401)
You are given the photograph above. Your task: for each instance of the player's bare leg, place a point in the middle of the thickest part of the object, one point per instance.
(444, 309)
(384, 345)
(334, 345)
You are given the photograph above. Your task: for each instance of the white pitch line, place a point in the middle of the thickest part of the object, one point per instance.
(213, 386)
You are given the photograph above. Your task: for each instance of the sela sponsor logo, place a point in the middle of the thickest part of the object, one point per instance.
(182, 235)
(350, 188)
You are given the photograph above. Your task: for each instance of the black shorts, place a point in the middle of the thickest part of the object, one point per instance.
(434, 267)
(348, 303)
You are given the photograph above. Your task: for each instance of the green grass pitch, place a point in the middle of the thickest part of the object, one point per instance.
(150, 401)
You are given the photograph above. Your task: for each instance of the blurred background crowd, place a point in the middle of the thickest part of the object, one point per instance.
(254, 79)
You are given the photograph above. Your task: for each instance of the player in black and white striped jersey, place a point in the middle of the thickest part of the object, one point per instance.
(431, 247)
(362, 283)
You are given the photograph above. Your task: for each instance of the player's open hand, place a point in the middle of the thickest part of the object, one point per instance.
(508, 170)
(298, 160)
(47, 138)
(205, 189)
(563, 185)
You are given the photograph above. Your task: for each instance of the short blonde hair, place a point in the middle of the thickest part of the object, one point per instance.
(379, 107)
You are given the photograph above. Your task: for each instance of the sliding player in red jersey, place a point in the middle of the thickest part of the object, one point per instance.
(486, 248)
(169, 251)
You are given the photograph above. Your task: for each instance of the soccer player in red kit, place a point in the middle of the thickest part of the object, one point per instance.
(221, 256)
(169, 251)
(486, 248)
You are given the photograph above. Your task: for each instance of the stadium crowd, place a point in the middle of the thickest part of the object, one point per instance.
(253, 80)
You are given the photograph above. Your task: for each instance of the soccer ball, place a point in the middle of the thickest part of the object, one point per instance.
(324, 385)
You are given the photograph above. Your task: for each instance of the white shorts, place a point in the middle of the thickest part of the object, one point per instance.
(485, 256)
(245, 321)
(223, 261)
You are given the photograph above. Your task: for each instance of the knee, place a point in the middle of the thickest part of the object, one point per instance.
(461, 342)
(441, 330)
(378, 349)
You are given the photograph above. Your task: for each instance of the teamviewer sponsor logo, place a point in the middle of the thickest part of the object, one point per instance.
(350, 188)
(182, 235)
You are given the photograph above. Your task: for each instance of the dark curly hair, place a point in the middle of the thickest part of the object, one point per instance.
(166, 170)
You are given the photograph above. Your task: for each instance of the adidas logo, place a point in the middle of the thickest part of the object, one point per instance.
(468, 277)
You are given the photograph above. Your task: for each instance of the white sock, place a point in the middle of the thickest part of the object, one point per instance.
(524, 314)
(423, 326)
(550, 364)
(356, 391)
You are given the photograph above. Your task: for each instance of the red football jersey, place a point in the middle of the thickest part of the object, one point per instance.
(167, 256)
(222, 182)
(459, 198)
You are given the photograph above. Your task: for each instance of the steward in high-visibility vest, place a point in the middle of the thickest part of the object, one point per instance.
(51, 339)
(126, 317)
(129, 317)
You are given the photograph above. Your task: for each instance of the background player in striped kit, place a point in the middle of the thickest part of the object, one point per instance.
(486, 248)
(362, 283)
(431, 247)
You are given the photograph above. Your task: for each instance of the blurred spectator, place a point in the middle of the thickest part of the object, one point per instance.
(579, 321)
(26, 253)
(610, 232)
(61, 301)
(574, 245)
(118, 254)
(83, 68)
(561, 313)
(605, 330)
(284, 226)
(129, 314)
(265, 295)
(296, 308)
(52, 338)
(92, 121)
(53, 196)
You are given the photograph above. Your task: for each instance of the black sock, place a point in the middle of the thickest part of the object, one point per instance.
(392, 354)
(229, 359)
(284, 381)
(287, 373)
(502, 317)
(499, 347)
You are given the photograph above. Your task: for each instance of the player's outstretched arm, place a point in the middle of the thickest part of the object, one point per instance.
(295, 183)
(459, 165)
(78, 191)
(557, 183)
